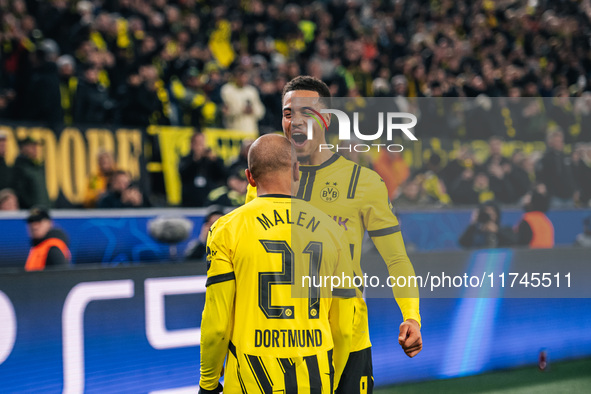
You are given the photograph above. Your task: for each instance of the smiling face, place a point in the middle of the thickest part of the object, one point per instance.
(295, 122)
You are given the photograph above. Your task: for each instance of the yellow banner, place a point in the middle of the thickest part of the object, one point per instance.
(70, 155)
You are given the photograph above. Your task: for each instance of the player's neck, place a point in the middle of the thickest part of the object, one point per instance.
(316, 158)
(275, 187)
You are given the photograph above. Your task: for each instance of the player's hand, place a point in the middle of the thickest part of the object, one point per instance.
(410, 337)
(217, 390)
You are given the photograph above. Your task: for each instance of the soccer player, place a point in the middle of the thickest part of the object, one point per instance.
(277, 342)
(357, 199)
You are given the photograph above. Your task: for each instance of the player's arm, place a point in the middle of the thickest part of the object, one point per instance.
(341, 327)
(391, 248)
(341, 314)
(384, 230)
(217, 318)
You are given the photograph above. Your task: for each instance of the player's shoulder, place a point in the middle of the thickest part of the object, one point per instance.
(344, 163)
(365, 177)
(327, 223)
(228, 220)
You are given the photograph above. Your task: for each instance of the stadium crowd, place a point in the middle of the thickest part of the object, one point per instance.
(201, 64)
(139, 62)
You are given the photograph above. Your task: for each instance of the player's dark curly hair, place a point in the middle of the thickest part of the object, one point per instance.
(306, 82)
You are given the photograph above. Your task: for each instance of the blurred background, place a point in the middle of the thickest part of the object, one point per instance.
(124, 130)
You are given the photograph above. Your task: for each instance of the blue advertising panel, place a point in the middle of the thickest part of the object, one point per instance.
(137, 329)
(117, 237)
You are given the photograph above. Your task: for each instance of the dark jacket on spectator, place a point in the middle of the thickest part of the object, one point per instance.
(29, 183)
(464, 193)
(556, 173)
(502, 189)
(582, 172)
(5, 174)
(113, 200)
(138, 105)
(520, 182)
(90, 103)
(198, 178)
(475, 237)
(44, 97)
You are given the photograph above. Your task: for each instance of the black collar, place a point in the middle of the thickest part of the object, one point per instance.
(277, 195)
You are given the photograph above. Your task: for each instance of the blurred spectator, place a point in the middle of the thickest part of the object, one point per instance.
(122, 193)
(271, 98)
(485, 229)
(200, 171)
(582, 173)
(97, 182)
(68, 86)
(196, 248)
(495, 145)
(241, 162)
(137, 101)
(233, 194)
(49, 245)
(411, 196)
(556, 172)
(5, 170)
(472, 188)
(242, 108)
(431, 182)
(464, 159)
(498, 167)
(29, 176)
(393, 170)
(535, 229)
(196, 109)
(43, 94)
(584, 239)
(521, 174)
(91, 101)
(8, 200)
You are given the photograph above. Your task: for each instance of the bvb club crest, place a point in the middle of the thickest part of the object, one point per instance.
(330, 192)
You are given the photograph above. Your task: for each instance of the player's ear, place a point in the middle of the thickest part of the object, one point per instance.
(249, 178)
(296, 171)
(295, 184)
(327, 118)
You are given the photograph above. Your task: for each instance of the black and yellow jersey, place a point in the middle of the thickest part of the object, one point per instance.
(260, 303)
(356, 198)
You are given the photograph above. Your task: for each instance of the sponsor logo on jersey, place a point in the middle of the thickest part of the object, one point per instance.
(287, 338)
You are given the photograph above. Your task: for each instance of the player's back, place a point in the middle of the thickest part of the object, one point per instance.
(273, 243)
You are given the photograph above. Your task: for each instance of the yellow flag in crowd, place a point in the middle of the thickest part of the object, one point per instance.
(220, 46)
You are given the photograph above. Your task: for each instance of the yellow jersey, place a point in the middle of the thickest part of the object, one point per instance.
(262, 303)
(356, 198)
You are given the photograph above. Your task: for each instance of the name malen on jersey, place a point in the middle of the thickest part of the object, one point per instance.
(287, 338)
(302, 220)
